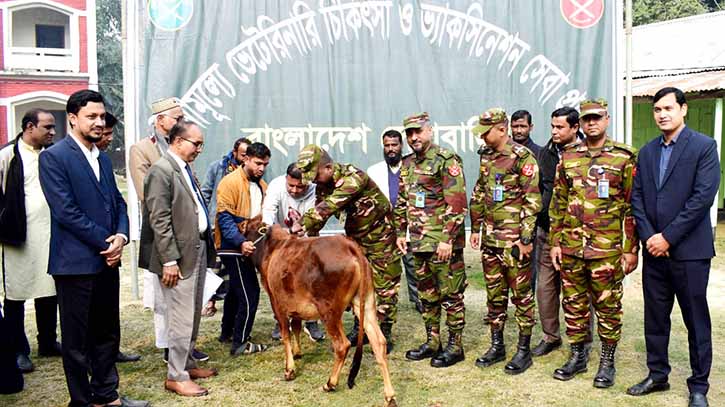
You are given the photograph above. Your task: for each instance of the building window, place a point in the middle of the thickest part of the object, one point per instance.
(49, 36)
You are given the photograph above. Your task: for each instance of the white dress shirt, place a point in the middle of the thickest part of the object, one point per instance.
(91, 156)
(200, 210)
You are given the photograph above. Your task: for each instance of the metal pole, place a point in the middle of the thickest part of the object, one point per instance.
(717, 135)
(128, 29)
(628, 84)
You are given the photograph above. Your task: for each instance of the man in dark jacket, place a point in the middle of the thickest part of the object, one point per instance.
(564, 131)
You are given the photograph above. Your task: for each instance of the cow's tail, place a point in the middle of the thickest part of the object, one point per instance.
(362, 293)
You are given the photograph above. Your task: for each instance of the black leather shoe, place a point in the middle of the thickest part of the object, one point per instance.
(496, 353)
(577, 363)
(698, 400)
(647, 386)
(24, 363)
(522, 358)
(127, 357)
(452, 354)
(544, 348)
(53, 350)
(429, 349)
(605, 374)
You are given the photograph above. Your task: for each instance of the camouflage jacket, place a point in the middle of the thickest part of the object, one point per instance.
(356, 199)
(438, 175)
(583, 224)
(514, 215)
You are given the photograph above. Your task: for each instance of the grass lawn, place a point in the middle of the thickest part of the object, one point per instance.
(258, 380)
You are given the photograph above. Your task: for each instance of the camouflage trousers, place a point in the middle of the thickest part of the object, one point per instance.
(387, 270)
(600, 279)
(502, 272)
(441, 284)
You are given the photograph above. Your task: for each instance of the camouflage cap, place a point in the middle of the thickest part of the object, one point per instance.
(164, 104)
(307, 161)
(488, 119)
(416, 121)
(593, 106)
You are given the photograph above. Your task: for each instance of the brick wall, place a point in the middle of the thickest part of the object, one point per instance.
(79, 4)
(83, 34)
(13, 87)
(3, 125)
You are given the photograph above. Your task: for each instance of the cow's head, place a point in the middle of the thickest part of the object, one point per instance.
(255, 229)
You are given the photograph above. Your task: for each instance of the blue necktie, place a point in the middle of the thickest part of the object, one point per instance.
(196, 191)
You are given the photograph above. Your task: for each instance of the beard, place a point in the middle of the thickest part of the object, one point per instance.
(393, 160)
(92, 137)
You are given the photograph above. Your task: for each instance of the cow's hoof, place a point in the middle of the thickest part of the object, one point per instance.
(391, 402)
(297, 356)
(328, 388)
(289, 375)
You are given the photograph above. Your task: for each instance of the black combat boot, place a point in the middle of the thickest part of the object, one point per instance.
(387, 329)
(522, 359)
(576, 364)
(452, 354)
(430, 348)
(496, 353)
(352, 335)
(605, 374)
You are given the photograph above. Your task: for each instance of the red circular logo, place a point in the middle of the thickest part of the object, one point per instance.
(582, 13)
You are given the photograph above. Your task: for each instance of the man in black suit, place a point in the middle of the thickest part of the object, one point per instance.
(678, 176)
(88, 230)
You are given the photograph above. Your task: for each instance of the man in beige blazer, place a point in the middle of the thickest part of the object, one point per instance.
(178, 251)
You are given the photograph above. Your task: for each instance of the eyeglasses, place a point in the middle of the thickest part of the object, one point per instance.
(198, 144)
(178, 118)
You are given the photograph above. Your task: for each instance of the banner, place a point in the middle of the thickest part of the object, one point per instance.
(339, 73)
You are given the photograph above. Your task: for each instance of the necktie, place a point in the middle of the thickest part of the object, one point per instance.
(196, 191)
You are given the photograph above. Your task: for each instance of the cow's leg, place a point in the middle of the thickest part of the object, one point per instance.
(289, 361)
(378, 343)
(340, 345)
(296, 329)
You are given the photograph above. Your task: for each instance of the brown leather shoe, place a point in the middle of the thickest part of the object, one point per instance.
(187, 388)
(202, 373)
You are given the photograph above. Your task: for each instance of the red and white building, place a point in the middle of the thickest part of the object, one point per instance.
(47, 52)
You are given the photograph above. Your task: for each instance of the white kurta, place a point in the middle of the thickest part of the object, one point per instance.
(26, 267)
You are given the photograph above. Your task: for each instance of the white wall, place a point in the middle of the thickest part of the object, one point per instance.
(24, 22)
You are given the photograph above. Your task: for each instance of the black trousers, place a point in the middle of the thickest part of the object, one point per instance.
(46, 320)
(663, 280)
(89, 322)
(11, 380)
(244, 291)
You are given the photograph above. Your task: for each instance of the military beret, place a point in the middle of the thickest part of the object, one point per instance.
(593, 106)
(416, 121)
(164, 104)
(307, 161)
(488, 119)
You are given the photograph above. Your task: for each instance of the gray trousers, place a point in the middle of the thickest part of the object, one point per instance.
(410, 277)
(183, 313)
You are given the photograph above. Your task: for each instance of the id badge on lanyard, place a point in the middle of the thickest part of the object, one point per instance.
(420, 199)
(602, 185)
(498, 189)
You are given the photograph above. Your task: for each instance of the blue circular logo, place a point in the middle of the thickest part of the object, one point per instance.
(170, 15)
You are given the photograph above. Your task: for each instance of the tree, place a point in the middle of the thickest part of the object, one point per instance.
(652, 11)
(110, 65)
(714, 5)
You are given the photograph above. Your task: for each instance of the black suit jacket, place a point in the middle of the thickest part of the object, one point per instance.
(680, 207)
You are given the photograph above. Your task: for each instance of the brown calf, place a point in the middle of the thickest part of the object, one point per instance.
(318, 278)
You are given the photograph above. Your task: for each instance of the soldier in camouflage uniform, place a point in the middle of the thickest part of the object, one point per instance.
(505, 201)
(432, 207)
(593, 239)
(347, 192)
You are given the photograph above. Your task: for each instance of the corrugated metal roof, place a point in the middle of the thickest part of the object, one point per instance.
(690, 82)
(690, 44)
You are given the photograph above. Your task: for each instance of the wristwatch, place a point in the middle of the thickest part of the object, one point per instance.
(525, 240)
